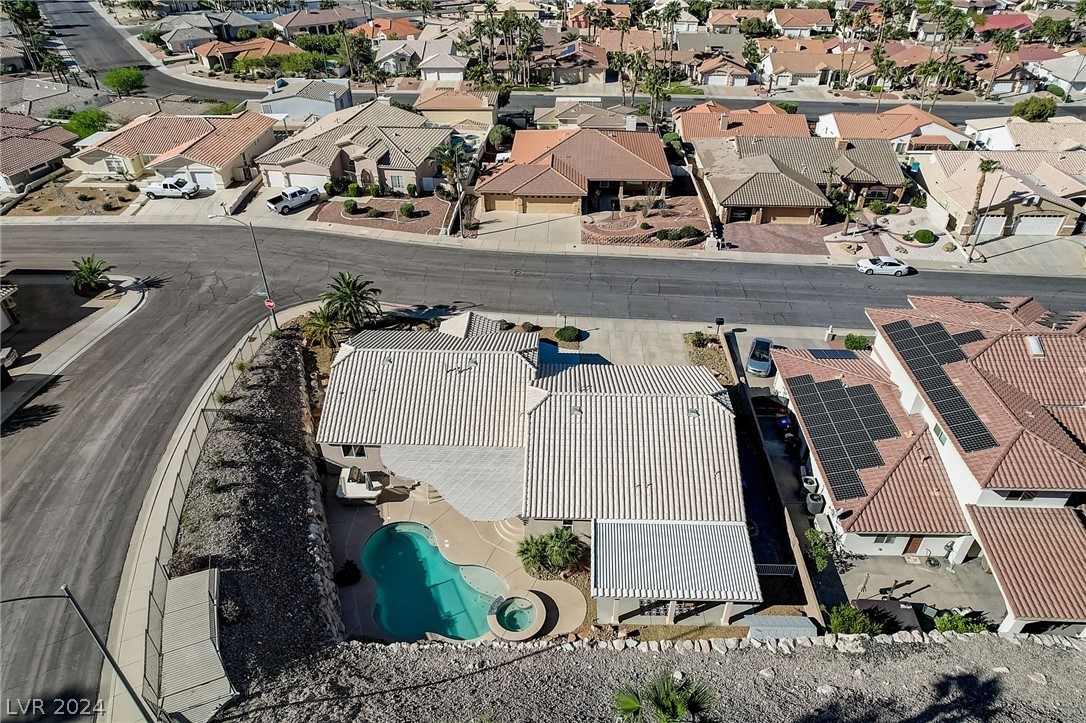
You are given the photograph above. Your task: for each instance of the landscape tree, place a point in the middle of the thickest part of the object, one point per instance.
(451, 159)
(88, 122)
(664, 700)
(985, 167)
(500, 135)
(124, 81)
(374, 74)
(93, 76)
(244, 34)
(757, 28)
(89, 275)
(638, 65)
(25, 16)
(219, 108)
(1004, 42)
(269, 31)
(618, 61)
(752, 54)
(352, 300)
(321, 327)
(1034, 109)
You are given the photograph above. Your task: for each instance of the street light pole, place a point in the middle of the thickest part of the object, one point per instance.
(976, 221)
(259, 261)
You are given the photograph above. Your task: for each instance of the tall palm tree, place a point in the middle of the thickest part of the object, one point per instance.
(93, 76)
(618, 61)
(451, 159)
(490, 9)
(924, 73)
(1004, 42)
(375, 74)
(670, 15)
(321, 327)
(986, 166)
(890, 74)
(638, 64)
(623, 27)
(664, 700)
(352, 300)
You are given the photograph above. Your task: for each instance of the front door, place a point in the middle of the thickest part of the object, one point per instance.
(913, 545)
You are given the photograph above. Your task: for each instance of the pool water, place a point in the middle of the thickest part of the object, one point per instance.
(419, 591)
(516, 614)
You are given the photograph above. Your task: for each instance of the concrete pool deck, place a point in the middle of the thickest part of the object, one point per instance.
(460, 540)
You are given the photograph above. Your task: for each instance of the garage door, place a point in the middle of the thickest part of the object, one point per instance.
(307, 179)
(991, 225)
(1003, 87)
(787, 215)
(1037, 225)
(550, 205)
(205, 180)
(502, 203)
(449, 75)
(276, 179)
(716, 80)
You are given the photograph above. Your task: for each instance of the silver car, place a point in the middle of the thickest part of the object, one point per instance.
(886, 265)
(760, 361)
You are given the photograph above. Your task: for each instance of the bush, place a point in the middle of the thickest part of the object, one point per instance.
(87, 122)
(956, 623)
(84, 197)
(671, 138)
(184, 562)
(924, 236)
(407, 210)
(528, 327)
(847, 620)
(328, 188)
(1055, 90)
(124, 81)
(353, 190)
(659, 203)
(350, 207)
(61, 113)
(242, 366)
(877, 207)
(551, 553)
(223, 397)
(348, 574)
(818, 551)
(1035, 109)
(919, 200)
(153, 36)
(109, 206)
(132, 188)
(788, 106)
(230, 612)
(891, 209)
(412, 190)
(857, 342)
(645, 225)
(700, 340)
(678, 234)
(375, 190)
(568, 334)
(373, 213)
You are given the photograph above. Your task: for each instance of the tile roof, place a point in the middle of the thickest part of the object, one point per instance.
(597, 155)
(546, 177)
(905, 120)
(578, 54)
(213, 140)
(622, 449)
(773, 46)
(126, 109)
(671, 560)
(36, 97)
(803, 63)
(1038, 557)
(444, 60)
(910, 493)
(801, 17)
(13, 125)
(1002, 21)
(400, 27)
(252, 48)
(726, 17)
(305, 17)
(703, 125)
(21, 153)
(1051, 175)
(612, 40)
(230, 137)
(861, 161)
(413, 48)
(754, 180)
(308, 89)
(583, 115)
(16, 121)
(436, 98)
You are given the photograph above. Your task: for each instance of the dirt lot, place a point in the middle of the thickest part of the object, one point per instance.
(53, 199)
(429, 214)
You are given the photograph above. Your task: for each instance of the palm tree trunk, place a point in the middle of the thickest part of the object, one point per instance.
(995, 70)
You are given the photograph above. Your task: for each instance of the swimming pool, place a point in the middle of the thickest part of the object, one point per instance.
(516, 614)
(419, 591)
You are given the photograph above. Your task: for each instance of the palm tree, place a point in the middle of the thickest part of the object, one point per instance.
(638, 64)
(664, 700)
(89, 275)
(670, 15)
(1004, 42)
(321, 327)
(93, 76)
(847, 209)
(889, 74)
(986, 166)
(451, 159)
(617, 61)
(352, 300)
(374, 73)
(924, 73)
(623, 27)
(490, 8)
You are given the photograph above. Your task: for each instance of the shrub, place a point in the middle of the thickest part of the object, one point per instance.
(528, 327)
(124, 81)
(328, 188)
(877, 207)
(553, 552)
(949, 246)
(891, 209)
(659, 203)
(818, 551)
(132, 188)
(407, 210)
(671, 137)
(230, 612)
(350, 207)
(788, 106)
(678, 234)
(568, 334)
(84, 197)
(375, 190)
(645, 225)
(61, 113)
(1035, 109)
(919, 200)
(924, 236)
(957, 623)
(412, 190)
(109, 206)
(857, 342)
(242, 366)
(1055, 90)
(876, 89)
(532, 552)
(348, 574)
(700, 340)
(373, 213)
(353, 190)
(211, 485)
(847, 620)
(223, 397)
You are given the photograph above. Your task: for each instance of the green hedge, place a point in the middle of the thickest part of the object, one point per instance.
(924, 236)
(678, 234)
(567, 334)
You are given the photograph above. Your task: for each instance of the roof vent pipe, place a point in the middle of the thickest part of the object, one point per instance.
(1034, 344)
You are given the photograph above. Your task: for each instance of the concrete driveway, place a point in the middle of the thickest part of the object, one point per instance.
(534, 232)
(1036, 255)
(204, 204)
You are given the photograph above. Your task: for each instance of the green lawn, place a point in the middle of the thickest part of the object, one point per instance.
(680, 89)
(532, 89)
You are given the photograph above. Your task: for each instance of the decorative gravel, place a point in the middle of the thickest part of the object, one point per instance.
(975, 679)
(247, 509)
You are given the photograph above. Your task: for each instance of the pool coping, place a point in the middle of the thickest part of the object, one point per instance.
(518, 636)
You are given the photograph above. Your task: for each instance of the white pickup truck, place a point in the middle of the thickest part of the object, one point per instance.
(172, 187)
(294, 197)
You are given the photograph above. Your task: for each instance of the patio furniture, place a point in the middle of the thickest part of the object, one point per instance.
(358, 487)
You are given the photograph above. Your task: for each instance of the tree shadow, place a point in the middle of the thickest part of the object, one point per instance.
(28, 417)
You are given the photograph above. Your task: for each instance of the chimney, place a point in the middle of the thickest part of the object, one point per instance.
(271, 89)
(332, 97)
(631, 122)
(841, 144)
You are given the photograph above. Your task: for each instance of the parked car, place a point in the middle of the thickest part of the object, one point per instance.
(886, 265)
(172, 187)
(294, 197)
(760, 361)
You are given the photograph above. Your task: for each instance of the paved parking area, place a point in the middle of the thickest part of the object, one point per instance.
(1035, 255)
(530, 232)
(207, 203)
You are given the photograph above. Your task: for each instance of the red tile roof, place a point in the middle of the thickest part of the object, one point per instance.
(1038, 557)
(254, 48)
(703, 125)
(726, 17)
(1003, 21)
(894, 123)
(211, 140)
(802, 17)
(401, 28)
(21, 153)
(547, 177)
(598, 155)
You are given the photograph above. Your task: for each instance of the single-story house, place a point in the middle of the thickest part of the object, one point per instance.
(730, 43)
(30, 150)
(578, 114)
(317, 22)
(712, 120)
(570, 64)
(211, 151)
(1037, 193)
(37, 98)
(573, 170)
(612, 40)
(123, 110)
(12, 56)
(727, 20)
(381, 29)
(984, 26)
(453, 106)
(444, 67)
(906, 127)
(640, 460)
(1068, 72)
(375, 142)
(183, 38)
(1011, 77)
(399, 57)
(784, 180)
(301, 98)
(723, 70)
(221, 25)
(615, 11)
(781, 70)
(223, 53)
(1059, 133)
(801, 22)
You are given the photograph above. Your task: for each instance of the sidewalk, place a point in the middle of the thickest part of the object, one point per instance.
(69, 344)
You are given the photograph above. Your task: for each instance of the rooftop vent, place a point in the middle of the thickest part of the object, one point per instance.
(1035, 348)
(692, 412)
(576, 411)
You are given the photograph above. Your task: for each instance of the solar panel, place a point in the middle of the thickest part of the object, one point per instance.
(832, 354)
(968, 337)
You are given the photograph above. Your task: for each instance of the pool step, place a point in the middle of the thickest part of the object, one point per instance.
(423, 492)
(511, 529)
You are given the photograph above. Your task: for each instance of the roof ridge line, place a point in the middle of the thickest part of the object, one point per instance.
(870, 497)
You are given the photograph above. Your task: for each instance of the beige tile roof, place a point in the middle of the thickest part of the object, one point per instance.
(861, 161)
(910, 493)
(1051, 175)
(16, 121)
(894, 123)
(21, 153)
(229, 137)
(802, 17)
(254, 48)
(725, 17)
(812, 46)
(582, 115)
(306, 17)
(802, 63)
(703, 125)
(598, 155)
(132, 107)
(399, 27)
(1038, 557)
(612, 40)
(435, 98)
(213, 140)
(546, 177)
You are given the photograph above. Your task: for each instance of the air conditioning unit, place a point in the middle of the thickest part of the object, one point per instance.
(815, 503)
(810, 484)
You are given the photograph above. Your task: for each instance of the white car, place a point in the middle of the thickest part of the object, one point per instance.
(886, 265)
(172, 187)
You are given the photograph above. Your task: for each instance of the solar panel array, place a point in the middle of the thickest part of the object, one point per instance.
(842, 424)
(925, 350)
(833, 354)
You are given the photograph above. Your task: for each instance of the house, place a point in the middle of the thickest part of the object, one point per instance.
(123, 110)
(578, 114)
(299, 98)
(570, 64)
(970, 443)
(611, 40)
(730, 43)
(522, 8)
(1036, 193)
(559, 444)
(984, 26)
(222, 54)
(1010, 78)
(801, 22)
(211, 151)
(725, 20)
(9, 317)
(1059, 133)
(221, 25)
(784, 180)
(317, 22)
(1068, 72)
(37, 98)
(455, 106)
(444, 67)
(12, 55)
(712, 120)
(380, 29)
(724, 70)
(375, 142)
(571, 170)
(906, 127)
(29, 150)
(578, 19)
(400, 57)
(182, 38)
(782, 70)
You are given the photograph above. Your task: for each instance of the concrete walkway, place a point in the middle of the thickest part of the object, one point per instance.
(65, 347)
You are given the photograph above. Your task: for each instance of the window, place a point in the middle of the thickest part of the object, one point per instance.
(353, 450)
(567, 524)
(877, 192)
(116, 165)
(940, 434)
(1021, 496)
(396, 181)
(885, 539)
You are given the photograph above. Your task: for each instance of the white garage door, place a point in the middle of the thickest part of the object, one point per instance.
(205, 180)
(276, 179)
(307, 179)
(991, 226)
(716, 80)
(449, 75)
(1037, 225)
(1003, 87)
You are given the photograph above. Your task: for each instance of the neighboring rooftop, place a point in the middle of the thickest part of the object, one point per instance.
(1054, 176)
(124, 109)
(584, 115)
(306, 17)
(438, 98)
(1057, 134)
(597, 155)
(308, 89)
(904, 120)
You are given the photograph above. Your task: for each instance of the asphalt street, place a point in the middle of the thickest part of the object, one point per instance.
(78, 459)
